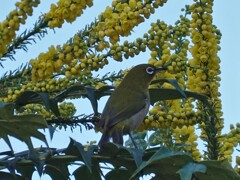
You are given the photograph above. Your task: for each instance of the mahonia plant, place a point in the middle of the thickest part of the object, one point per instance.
(188, 48)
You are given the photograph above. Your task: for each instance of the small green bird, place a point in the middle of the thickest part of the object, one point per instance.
(128, 104)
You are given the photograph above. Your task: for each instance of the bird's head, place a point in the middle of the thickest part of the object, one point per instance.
(141, 75)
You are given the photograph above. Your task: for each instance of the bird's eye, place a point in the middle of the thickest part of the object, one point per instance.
(150, 70)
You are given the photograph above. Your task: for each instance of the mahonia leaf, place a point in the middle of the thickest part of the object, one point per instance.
(6, 110)
(161, 159)
(39, 159)
(8, 176)
(95, 94)
(55, 173)
(104, 91)
(112, 150)
(220, 170)
(76, 148)
(160, 94)
(32, 97)
(91, 95)
(189, 169)
(23, 127)
(26, 171)
(10, 164)
(83, 171)
(58, 163)
(53, 105)
(173, 82)
(51, 131)
(71, 91)
(118, 174)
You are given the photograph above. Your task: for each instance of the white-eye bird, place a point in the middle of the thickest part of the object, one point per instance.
(128, 104)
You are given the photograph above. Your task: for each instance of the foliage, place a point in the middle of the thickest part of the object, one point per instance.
(38, 95)
(127, 162)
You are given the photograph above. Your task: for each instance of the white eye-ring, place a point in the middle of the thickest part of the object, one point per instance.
(150, 70)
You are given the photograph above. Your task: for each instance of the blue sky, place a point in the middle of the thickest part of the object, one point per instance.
(226, 17)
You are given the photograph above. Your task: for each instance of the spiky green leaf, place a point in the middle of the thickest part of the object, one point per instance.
(23, 128)
(189, 169)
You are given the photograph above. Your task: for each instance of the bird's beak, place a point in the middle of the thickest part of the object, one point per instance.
(158, 69)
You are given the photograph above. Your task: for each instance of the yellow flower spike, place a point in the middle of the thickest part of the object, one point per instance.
(196, 154)
(177, 130)
(132, 4)
(184, 130)
(237, 160)
(161, 119)
(191, 129)
(192, 137)
(169, 117)
(74, 71)
(65, 10)
(13, 21)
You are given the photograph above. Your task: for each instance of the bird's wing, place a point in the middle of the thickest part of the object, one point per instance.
(125, 111)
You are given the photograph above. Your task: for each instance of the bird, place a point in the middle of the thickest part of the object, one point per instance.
(128, 105)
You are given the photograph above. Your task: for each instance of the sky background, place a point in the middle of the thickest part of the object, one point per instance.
(225, 16)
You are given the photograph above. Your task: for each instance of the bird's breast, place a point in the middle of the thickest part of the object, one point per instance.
(133, 122)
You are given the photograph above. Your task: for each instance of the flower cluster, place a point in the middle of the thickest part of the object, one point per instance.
(50, 85)
(128, 49)
(67, 10)
(12, 23)
(66, 109)
(85, 65)
(186, 135)
(204, 70)
(171, 114)
(229, 141)
(12, 95)
(72, 58)
(53, 61)
(169, 48)
(236, 168)
(121, 18)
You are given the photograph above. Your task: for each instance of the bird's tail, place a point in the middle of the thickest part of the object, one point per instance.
(104, 139)
(117, 137)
